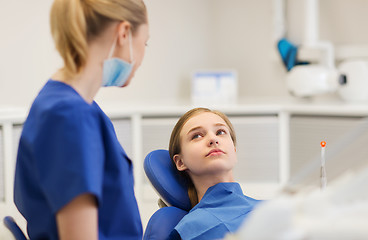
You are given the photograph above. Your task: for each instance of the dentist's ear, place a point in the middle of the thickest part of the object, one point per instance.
(179, 162)
(123, 32)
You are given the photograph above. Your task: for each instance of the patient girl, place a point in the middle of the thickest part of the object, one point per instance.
(203, 149)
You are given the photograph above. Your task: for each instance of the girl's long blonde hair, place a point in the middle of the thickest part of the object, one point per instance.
(74, 23)
(175, 144)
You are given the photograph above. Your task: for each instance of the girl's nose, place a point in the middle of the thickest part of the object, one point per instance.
(213, 140)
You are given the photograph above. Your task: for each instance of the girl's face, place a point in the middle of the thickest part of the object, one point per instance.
(206, 146)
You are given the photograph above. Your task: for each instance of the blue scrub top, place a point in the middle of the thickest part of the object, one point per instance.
(69, 147)
(222, 209)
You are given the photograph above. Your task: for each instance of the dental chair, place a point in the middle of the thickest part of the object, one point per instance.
(13, 227)
(172, 190)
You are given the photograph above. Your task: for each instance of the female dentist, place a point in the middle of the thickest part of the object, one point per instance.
(73, 180)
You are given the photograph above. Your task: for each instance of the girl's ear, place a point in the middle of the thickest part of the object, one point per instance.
(179, 162)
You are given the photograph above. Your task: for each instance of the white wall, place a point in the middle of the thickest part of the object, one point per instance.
(243, 39)
(344, 21)
(179, 37)
(27, 55)
(340, 21)
(185, 36)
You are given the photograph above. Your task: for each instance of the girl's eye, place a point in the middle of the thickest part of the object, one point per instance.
(221, 132)
(195, 136)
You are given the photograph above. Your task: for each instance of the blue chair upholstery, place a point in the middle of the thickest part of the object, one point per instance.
(10, 223)
(173, 191)
(163, 222)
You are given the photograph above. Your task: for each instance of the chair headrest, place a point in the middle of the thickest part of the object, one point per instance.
(164, 177)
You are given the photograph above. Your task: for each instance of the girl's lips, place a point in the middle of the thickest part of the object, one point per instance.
(215, 152)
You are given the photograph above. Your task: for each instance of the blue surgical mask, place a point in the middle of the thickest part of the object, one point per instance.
(116, 71)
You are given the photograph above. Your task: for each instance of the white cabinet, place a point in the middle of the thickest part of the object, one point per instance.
(2, 168)
(123, 129)
(257, 148)
(274, 144)
(10, 130)
(346, 138)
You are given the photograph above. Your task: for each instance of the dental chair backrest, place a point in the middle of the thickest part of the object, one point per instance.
(173, 191)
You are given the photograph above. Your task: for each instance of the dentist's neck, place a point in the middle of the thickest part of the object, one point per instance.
(88, 81)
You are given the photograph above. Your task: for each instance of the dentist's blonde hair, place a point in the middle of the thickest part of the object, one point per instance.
(74, 23)
(175, 144)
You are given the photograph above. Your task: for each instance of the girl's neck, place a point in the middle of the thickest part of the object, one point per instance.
(202, 183)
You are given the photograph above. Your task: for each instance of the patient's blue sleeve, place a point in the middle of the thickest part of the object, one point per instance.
(222, 210)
